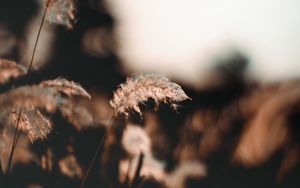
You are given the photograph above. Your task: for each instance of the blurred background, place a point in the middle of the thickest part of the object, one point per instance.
(238, 61)
(184, 38)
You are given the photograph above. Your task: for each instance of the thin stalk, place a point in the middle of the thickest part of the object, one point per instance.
(38, 36)
(2, 179)
(14, 144)
(1, 170)
(126, 181)
(137, 178)
(98, 149)
(16, 132)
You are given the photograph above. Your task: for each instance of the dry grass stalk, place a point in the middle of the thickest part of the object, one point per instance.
(140, 87)
(48, 4)
(9, 69)
(61, 12)
(66, 87)
(15, 138)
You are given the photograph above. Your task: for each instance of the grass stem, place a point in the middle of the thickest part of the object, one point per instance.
(96, 154)
(16, 132)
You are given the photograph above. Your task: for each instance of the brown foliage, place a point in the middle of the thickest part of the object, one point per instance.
(268, 129)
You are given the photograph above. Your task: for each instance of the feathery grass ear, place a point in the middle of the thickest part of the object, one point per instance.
(9, 69)
(140, 87)
(49, 96)
(33, 123)
(61, 12)
(31, 96)
(66, 87)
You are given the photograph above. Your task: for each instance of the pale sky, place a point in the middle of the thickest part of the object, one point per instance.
(181, 38)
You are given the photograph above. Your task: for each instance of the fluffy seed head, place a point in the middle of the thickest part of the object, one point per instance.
(32, 122)
(9, 69)
(61, 12)
(66, 87)
(31, 96)
(140, 87)
(48, 96)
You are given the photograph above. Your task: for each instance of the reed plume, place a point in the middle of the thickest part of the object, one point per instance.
(31, 96)
(66, 87)
(63, 16)
(48, 96)
(61, 12)
(33, 123)
(140, 87)
(9, 69)
(137, 89)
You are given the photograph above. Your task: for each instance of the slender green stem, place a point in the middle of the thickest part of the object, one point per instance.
(96, 154)
(16, 133)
